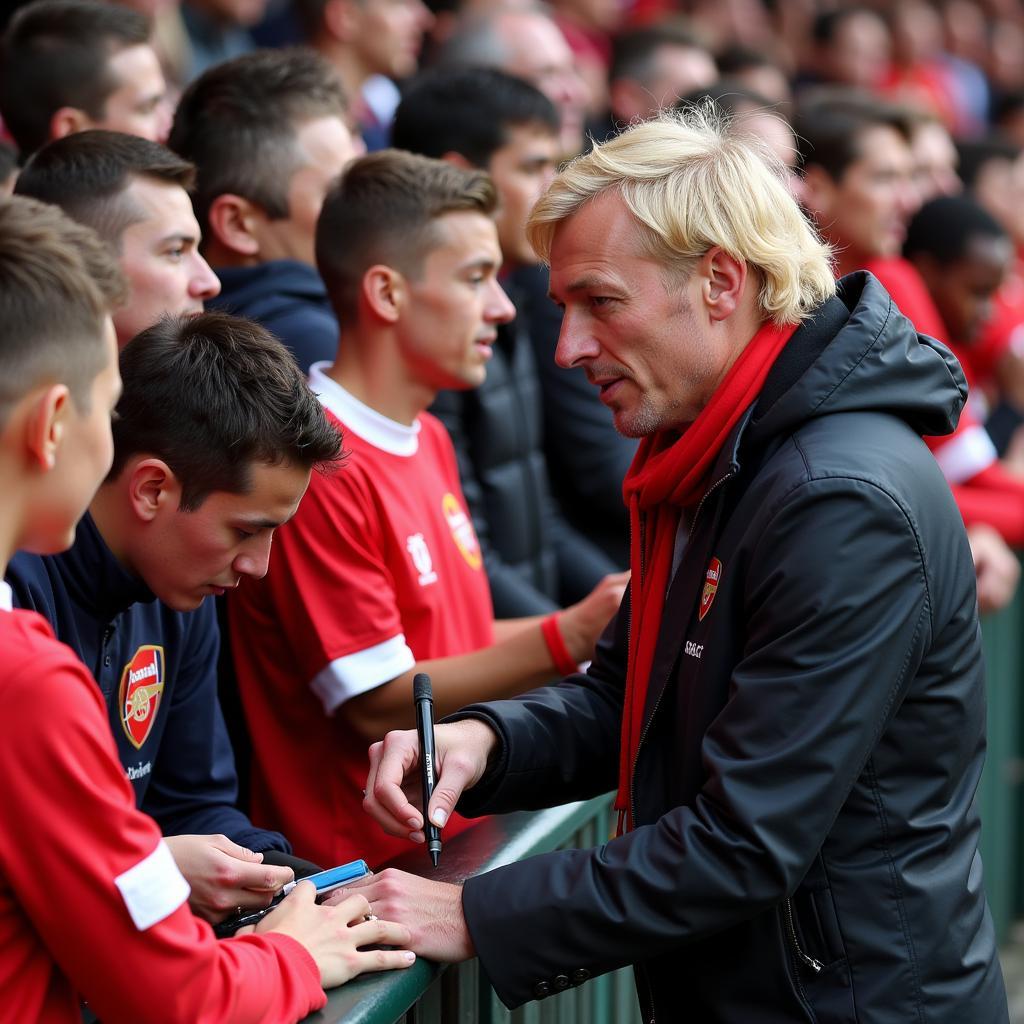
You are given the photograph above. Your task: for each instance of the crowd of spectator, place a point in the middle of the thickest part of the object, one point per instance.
(338, 191)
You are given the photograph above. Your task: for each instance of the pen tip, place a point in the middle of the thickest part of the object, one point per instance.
(435, 856)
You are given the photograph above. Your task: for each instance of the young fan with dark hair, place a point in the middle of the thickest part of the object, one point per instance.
(268, 135)
(92, 904)
(68, 65)
(134, 194)
(216, 436)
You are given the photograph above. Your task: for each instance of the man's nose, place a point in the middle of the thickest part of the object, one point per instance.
(205, 284)
(255, 559)
(499, 309)
(575, 343)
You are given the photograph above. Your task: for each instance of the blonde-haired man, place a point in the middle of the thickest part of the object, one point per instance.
(791, 700)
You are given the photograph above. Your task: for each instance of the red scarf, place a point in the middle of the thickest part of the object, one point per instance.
(668, 475)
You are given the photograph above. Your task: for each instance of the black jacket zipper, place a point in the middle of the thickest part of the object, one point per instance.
(802, 957)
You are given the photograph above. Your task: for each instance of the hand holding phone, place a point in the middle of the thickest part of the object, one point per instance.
(324, 881)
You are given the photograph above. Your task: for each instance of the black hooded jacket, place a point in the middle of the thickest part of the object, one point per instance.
(806, 840)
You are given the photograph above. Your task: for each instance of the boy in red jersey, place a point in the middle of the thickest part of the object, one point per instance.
(91, 901)
(380, 574)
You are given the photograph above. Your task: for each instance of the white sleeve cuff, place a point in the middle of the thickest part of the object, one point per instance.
(365, 670)
(966, 454)
(154, 888)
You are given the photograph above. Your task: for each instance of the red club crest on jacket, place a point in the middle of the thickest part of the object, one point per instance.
(711, 578)
(141, 690)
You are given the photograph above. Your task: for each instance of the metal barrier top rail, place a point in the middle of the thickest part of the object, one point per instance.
(502, 839)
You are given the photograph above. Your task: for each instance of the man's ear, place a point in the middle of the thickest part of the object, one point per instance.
(232, 222)
(153, 489)
(45, 424)
(383, 292)
(818, 192)
(68, 121)
(724, 281)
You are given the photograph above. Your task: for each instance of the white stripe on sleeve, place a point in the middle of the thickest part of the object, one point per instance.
(365, 670)
(154, 888)
(966, 454)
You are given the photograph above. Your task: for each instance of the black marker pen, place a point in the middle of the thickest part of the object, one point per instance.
(423, 700)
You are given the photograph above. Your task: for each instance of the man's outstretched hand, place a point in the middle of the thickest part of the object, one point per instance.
(431, 911)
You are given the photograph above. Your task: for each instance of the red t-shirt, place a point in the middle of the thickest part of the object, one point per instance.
(984, 491)
(379, 569)
(968, 450)
(91, 901)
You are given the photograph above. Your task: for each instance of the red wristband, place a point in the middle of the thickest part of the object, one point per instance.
(564, 661)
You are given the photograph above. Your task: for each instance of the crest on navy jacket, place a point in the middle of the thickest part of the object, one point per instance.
(141, 690)
(707, 595)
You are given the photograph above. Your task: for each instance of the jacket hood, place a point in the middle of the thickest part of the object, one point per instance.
(860, 353)
(267, 286)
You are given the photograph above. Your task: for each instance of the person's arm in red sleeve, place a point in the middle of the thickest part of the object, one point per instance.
(995, 498)
(98, 884)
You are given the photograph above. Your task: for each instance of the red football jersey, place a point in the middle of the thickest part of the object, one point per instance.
(379, 569)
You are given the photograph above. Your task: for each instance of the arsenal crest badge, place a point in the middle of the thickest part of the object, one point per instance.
(142, 687)
(707, 595)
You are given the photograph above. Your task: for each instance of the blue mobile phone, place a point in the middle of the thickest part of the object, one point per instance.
(334, 878)
(325, 882)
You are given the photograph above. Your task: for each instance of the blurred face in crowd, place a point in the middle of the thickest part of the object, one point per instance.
(865, 213)
(935, 161)
(673, 70)
(963, 290)
(677, 71)
(452, 307)
(538, 52)
(858, 55)
(324, 146)
(185, 556)
(522, 169)
(138, 105)
(159, 255)
(632, 330)
(388, 35)
(999, 187)
(234, 12)
(776, 133)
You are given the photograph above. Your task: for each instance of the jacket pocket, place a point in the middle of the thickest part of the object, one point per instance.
(815, 927)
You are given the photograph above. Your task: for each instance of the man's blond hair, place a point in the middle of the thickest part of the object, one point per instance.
(693, 182)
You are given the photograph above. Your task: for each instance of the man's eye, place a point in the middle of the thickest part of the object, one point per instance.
(244, 534)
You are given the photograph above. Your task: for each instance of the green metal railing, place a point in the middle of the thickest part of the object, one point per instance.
(1000, 794)
(429, 994)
